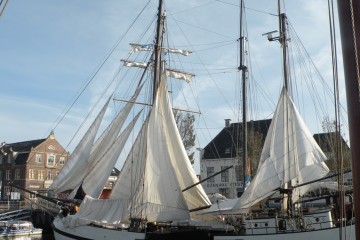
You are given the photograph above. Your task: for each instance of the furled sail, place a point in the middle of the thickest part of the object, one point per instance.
(150, 47)
(78, 159)
(169, 72)
(290, 154)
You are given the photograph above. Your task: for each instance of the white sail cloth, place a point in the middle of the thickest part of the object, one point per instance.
(79, 158)
(109, 212)
(290, 154)
(158, 168)
(73, 175)
(97, 177)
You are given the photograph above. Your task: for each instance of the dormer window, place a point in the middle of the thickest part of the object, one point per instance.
(227, 150)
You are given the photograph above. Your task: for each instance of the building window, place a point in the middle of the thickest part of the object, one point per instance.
(225, 175)
(41, 175)
(50, 160)
(6, 192)
(1, 175)
(8, 175)
(38, 158)
(238, 172)
(225, 192)
(31, 174)
(49, 175)
(9, 158)
(17, 173)
(210, 171)
(62, 161)
(1, 159)
(227, 150)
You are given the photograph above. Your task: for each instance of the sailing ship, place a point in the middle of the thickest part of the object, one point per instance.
(156, 195)
(148, 204)
(291, 164)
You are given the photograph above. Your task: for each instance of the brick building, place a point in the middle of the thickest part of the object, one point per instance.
(30, 164)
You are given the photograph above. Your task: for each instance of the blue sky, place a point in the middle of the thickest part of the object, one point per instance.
(49, 49)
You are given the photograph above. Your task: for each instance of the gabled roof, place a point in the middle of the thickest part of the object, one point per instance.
(22, 149)
(229, 140)
(22, 146)
(326, 139)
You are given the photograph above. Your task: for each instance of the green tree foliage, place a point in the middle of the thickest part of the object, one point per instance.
(185, 124)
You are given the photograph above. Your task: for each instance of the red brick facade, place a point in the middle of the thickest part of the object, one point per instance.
(31, 164)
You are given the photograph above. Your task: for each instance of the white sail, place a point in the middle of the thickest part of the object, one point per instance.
(290, 154)
(107, 212)
(79, 158)
(95, 181)
(111, 132)
(158, 168)
(101, 146)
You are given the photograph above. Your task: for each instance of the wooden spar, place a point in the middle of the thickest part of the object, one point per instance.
(146, 104)
(225, 169)
(61, 202)
(349, 13)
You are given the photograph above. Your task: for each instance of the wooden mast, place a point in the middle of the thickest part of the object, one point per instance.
(158, 49)
(244, 70)
(349, 13)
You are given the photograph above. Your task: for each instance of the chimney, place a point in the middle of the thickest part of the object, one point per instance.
(227, 122)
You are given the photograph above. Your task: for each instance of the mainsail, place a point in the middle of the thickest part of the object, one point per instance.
(159, 162)
(290, 154)
(152, 178)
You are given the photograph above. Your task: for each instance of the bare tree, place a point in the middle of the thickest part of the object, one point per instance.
(185, 124)
(255, 144)
(333, 146)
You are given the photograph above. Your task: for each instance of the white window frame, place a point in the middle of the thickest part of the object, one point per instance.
(225, 176)
(62, 161)
(8, 175)
(31, 173)
(49, 175)
(49, 163)
(17, 173)
(38, 158)
(41, 174)
(209, 173)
